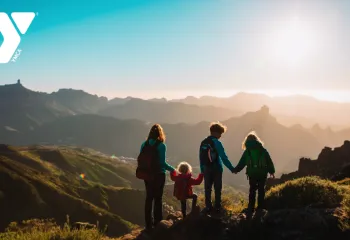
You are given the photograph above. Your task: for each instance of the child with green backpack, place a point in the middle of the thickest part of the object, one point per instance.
(259, 164)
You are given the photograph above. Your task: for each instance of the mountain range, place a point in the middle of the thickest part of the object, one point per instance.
(118, 126)
(295, 109)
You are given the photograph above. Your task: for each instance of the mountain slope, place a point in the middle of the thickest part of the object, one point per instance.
(46, 182)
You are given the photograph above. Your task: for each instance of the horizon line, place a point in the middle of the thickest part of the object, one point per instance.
(221, 94)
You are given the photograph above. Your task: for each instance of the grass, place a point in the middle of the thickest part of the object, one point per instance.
(43, 182)
(232, 201)
(345, 181)
(47, 229)
(307, 191)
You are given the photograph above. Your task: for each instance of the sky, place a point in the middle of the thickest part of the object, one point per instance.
(163, 48)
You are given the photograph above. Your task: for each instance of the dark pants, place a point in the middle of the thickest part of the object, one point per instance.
(212, 177)
(154, 194)
(184, 204)
(256, 184)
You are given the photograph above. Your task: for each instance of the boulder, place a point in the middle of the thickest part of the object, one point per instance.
(83, 225)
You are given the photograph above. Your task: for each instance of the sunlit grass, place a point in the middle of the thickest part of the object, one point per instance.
(36, 229)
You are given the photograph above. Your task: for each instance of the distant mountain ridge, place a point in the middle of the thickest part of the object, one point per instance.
(25, 109)
(74, 117)
(290, 110)
(166, 112)
(111, 135)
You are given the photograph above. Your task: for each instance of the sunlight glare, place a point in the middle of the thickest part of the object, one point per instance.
(293, 43)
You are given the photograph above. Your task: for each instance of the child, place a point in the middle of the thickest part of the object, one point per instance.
(183, 185)
(259, 164)
(212, 161)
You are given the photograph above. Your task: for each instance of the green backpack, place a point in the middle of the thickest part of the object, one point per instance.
(257, 167)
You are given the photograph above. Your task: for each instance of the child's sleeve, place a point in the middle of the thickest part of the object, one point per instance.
(270, 165)
(173, 176)
(198, 180)
(242, 162)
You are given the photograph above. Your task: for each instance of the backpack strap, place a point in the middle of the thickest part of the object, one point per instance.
(212, 144)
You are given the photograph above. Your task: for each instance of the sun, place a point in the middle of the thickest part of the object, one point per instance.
(293, 43)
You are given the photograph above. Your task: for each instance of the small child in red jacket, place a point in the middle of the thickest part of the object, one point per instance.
(183, 185)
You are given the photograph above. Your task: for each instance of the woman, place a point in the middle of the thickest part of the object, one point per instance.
(259, 164)
(154, 188)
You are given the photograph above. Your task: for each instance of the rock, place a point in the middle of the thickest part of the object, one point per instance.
(161, 230)
(332, 164)
(128, 237)
(83, 225)
(164, 224)
(284, 224)
(174, 216)
(306, 221)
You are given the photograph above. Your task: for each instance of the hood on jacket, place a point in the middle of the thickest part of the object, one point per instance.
(251, 144)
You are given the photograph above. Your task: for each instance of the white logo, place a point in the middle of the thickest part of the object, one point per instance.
(10, 34)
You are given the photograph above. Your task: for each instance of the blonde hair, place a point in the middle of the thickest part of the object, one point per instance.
(184, 168)
(217, 127)
(251, 136)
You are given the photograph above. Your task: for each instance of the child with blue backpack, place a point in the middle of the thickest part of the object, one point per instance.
(212, 157)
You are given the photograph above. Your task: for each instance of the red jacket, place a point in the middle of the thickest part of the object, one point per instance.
(183, 184)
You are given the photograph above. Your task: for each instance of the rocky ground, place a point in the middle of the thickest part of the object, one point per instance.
(305, 223)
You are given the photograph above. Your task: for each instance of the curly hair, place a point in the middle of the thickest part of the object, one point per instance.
(184, 168)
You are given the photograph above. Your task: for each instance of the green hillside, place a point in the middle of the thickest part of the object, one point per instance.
(53, 182)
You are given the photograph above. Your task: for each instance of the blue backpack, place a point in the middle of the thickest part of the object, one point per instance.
(208, 155)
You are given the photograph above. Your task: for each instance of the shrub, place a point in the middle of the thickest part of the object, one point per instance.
(345, 181)
(307, 191)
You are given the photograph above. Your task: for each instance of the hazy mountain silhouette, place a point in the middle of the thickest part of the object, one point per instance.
(156, 110)
(124, 137)
(289, 109)
(65, 117)
(79, 101)
(23, 109)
